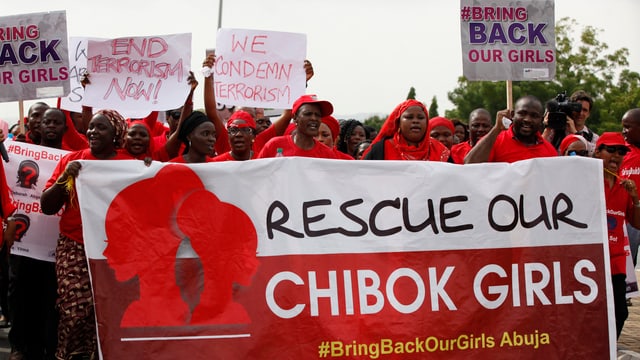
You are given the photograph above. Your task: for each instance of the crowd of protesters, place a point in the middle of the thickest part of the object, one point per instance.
(63, 326)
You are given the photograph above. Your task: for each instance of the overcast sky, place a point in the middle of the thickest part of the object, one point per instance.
(366, 54)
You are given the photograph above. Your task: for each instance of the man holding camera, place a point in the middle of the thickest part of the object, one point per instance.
(568, 116)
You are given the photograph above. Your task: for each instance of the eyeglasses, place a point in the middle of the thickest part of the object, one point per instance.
(622, 151)
(175, 114)
(236, 130)
(578, 152)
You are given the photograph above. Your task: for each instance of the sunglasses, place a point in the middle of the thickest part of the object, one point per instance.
(175, 114)
(236, 130)
(578, 153)
(622, 151)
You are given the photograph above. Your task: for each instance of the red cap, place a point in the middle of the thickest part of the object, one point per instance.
(611, 139)
(325, 107)
(241, 119)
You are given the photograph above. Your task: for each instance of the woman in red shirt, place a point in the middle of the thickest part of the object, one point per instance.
(199, 136)
(404, 136)
(76, 328)
(621, 198)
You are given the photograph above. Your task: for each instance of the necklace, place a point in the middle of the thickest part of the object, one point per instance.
(611, 173)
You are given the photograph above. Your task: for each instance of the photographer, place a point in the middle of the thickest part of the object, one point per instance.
(568, 116)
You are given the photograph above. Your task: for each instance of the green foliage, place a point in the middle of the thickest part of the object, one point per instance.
(433, 108)
(412, 94)
(585, 64)
(375, 121)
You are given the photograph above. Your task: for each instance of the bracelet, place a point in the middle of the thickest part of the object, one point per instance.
(11, 218)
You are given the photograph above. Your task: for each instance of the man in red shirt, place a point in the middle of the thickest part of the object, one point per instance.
(520, 141)
(479, 126)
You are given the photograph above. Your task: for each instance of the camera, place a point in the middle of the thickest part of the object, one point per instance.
(559, 108)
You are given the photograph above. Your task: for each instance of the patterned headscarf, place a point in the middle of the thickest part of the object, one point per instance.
(119, 126)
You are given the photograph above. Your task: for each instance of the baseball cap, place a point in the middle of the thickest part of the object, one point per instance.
(325, 107)
(611, 139)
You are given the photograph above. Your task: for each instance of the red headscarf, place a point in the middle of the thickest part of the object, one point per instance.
(333, 125)
(390, 129)
(150, 148)
(244, 116)
(440, 121)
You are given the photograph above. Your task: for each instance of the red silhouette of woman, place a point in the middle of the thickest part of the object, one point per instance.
(225, 239)
(142, 241)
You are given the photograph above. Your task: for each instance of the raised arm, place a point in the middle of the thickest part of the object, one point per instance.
(481, 151)
(210, 107)
(173, 143)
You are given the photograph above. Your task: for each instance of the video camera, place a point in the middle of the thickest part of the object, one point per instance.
(559, 108)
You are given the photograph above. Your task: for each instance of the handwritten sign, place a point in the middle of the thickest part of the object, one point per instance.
(508, 40)
(136, 75)
(380, 258)
(259, 68)
(77, 67)
(33, 56)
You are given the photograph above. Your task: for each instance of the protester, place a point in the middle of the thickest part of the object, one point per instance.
(462, 131)
(631, 167)
(352, 132)
(328, 133)
(33, 286)
(242, 129)
(621, 198)
(522, 140)
(77, 328)
(479, 126)
(403, 136)
(574, 145)
(307, 114)
(442, 129)
(34, 117)
(222, 144)
(361, 148)
(199, 136)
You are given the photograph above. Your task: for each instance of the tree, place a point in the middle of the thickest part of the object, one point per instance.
(375, 121)
(433, 108)
(412, 94)
(586, 65)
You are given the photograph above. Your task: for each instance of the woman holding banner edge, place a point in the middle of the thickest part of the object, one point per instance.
(77, 335)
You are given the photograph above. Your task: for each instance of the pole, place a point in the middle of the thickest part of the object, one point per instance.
(21, 118)
(219, 14)
(509, 93)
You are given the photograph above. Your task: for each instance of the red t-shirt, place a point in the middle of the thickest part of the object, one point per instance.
(342, 156)
(630, 167)
(459, 151)
(180, 159)
(508, 149)
(619, 203)
(222, 141)
(70, 221)
(227, 157)
(289, 148)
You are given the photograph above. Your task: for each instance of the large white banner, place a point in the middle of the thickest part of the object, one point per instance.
(508, 40)
(335, 259)
(259, 68)
(33, 56)
(27, 172)
(136, 75)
